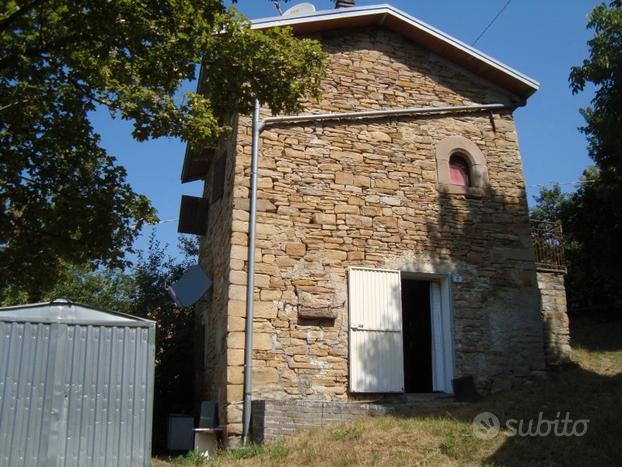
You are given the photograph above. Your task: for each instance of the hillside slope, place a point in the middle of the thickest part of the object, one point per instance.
(588, 389)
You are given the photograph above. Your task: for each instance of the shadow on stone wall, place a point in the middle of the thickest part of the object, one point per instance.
(572, 392)
(498, 328)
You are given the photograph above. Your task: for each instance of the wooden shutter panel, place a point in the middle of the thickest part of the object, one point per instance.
(376, 346)
(193, 215)
(442, 348)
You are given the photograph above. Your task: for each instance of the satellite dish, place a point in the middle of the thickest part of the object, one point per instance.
(300, 9)
(190, 287)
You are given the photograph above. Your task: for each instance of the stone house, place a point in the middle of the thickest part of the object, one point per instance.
(393, 253)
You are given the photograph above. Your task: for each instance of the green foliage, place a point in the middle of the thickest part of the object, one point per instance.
(603, 69)
(106, 289)
(592, 228)
(592, 252)
(593, 218)
(193, 458)
(549, 204)
(245, 452)
(346, 432)
(101, 288)
(63, 199)
(175, 339)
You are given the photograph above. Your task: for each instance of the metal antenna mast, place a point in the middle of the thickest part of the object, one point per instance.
(277, 5)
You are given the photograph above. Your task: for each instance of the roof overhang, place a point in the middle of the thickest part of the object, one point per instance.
(444, 45)
(429, 37)
(196, 164)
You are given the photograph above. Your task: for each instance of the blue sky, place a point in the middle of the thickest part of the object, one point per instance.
(542, 39)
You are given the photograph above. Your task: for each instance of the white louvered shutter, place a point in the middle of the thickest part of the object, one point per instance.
(376, 350)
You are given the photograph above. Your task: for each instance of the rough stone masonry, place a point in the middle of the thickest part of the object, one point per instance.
(367, 193)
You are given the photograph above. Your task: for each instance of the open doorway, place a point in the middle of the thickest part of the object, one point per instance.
(400, 331)
(417, 335)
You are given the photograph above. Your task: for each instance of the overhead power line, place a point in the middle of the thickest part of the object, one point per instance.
(492, 22)
(547, 184)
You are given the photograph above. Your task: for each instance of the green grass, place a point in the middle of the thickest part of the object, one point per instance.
(346, 432)
(588, 388)
(191, 458)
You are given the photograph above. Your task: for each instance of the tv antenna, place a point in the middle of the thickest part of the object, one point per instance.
(277, 5)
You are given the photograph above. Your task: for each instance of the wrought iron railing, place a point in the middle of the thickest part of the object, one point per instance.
(548, 244)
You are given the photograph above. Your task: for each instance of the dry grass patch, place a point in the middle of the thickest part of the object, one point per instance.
(589, 388)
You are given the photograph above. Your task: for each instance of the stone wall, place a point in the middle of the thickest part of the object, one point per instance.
(273, 419)
(334, 195)
(215, 258)
(555, 316)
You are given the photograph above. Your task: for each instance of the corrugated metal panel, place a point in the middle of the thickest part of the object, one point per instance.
(24, 351)
(376, 346)
(75, 395)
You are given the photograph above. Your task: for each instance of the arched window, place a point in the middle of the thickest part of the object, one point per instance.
(459, 170)
(461, 167)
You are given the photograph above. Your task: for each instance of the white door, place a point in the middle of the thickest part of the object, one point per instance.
(376, 352)
(442, 349)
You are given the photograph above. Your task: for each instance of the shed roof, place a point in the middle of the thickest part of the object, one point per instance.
(64, 311)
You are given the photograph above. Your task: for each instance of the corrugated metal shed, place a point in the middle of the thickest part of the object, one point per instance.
(76, 386)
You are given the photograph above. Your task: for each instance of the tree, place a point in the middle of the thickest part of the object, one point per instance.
(594, 223)
(603, 69)
(106, 289)
(584, 292)
(176, 351)
(549, 204)
(63, 199)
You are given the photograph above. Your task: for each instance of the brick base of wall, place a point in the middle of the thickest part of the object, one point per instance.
(274, 419)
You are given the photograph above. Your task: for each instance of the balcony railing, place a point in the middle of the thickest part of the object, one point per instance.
(548, 244)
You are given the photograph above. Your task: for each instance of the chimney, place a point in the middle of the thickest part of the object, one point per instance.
(344, 3)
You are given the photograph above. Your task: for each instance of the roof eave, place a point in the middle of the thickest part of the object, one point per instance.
(439, 42)
(474, 60)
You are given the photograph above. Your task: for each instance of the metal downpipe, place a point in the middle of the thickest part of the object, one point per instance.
(408, 111)
(258, 126)
(250, 278)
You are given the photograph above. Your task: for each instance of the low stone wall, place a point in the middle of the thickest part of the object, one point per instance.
(274, 419)
(554, 316)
